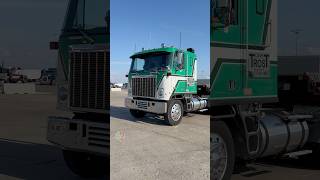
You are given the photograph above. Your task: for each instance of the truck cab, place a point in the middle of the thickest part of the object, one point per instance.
(83, 88)
(163, 81)
(256, 111)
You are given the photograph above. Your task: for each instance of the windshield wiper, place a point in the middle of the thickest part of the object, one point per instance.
(85, 35)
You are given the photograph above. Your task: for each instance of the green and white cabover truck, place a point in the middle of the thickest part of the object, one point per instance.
(83, 88)
(255, 111)
(163, 81)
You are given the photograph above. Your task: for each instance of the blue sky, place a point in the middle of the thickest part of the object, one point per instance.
(148, 23)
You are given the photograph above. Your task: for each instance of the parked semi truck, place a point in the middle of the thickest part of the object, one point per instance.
(163, 81)
(255, 112)
(83, 88)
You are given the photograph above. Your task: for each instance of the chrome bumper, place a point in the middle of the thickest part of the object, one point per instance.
(147, 106)
(79, 135)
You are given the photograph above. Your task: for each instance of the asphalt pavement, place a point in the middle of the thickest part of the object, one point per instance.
(147, 148)
(24, 150)
(140, 148)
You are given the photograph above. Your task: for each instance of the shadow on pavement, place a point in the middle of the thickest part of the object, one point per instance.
(25, 160)
(249, 170)
(123, 113)
(305, 162)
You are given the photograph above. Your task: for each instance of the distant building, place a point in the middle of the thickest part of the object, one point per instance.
(293, 65)
(203, 82)
(30, 74)
(50, 72)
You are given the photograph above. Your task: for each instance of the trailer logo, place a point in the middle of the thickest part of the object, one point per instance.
(259, 65)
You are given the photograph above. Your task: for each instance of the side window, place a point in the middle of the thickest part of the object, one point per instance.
(260, 7)
(224, 12)
(179, 60)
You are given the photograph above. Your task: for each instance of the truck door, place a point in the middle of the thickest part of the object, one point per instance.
(260, 49)
(191, 72)
(243, 51)
(180, 72)
(228, 36)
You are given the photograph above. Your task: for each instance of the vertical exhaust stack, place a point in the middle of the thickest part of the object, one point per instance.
(191, 50)
(163, 45)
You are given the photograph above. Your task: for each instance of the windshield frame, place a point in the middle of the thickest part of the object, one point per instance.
(68, 26)
(169, 60)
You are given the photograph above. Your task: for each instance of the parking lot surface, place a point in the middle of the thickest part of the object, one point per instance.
(140, 149)
(296, 166)
(147, 148)
(24, 150)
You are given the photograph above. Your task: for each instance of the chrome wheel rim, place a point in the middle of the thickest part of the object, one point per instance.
(219, 157)
(176, 112)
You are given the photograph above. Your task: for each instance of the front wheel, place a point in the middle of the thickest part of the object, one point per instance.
(222, 153)
(86, 165)
(174, 112)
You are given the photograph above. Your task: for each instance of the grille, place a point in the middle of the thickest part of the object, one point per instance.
(98, 136)
(89, 79)
(142, 104)
(143, 86)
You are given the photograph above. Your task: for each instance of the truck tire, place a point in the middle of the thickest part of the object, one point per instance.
(174, 112)
(222, 152)
(137, 113)
(86, 165)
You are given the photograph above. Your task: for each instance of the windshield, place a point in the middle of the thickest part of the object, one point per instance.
(87, 15)
(151, 62)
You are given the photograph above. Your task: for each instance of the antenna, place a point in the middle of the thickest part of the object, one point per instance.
(135, 48)
(149, 40)
(180, 40)
(296, 32)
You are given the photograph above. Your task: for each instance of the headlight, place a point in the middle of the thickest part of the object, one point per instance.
(129, 91)
(161, 92)
(62, 94)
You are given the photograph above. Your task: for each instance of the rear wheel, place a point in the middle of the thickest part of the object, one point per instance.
(85, 164)
(137, 113)
(222, 153)
(174, 112)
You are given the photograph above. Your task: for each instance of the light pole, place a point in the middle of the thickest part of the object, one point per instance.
(296, 32)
